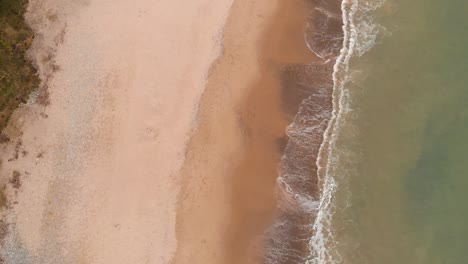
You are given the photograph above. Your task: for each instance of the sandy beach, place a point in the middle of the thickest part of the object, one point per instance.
(233, 132)
(162, 137)
(99, 180)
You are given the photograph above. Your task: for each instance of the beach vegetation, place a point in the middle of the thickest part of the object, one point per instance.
(18, 77)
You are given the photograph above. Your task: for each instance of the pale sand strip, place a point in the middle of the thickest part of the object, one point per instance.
(100, 176)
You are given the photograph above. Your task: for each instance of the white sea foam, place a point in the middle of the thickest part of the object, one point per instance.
(360, 34)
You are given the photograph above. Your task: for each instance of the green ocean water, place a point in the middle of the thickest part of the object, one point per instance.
(402, 195)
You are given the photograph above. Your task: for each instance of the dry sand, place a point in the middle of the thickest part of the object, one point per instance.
(99, 179)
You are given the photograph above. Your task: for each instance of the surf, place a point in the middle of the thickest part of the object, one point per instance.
(303, 230)
(360, 35)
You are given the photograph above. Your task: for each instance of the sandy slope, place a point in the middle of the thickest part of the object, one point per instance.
(101, 169)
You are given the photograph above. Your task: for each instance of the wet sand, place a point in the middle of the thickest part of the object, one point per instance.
(229, 177)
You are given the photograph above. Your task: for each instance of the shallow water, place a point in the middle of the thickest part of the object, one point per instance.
(400, 153)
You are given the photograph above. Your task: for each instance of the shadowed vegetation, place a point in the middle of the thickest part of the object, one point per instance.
(17, 76)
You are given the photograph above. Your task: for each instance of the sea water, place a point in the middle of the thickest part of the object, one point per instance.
(394, 168)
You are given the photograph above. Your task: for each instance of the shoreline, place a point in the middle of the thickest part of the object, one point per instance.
(310, 85)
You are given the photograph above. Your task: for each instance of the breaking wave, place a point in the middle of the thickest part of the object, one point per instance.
(303, 230)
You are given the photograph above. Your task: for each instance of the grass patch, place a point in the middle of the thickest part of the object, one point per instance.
(17, 75)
